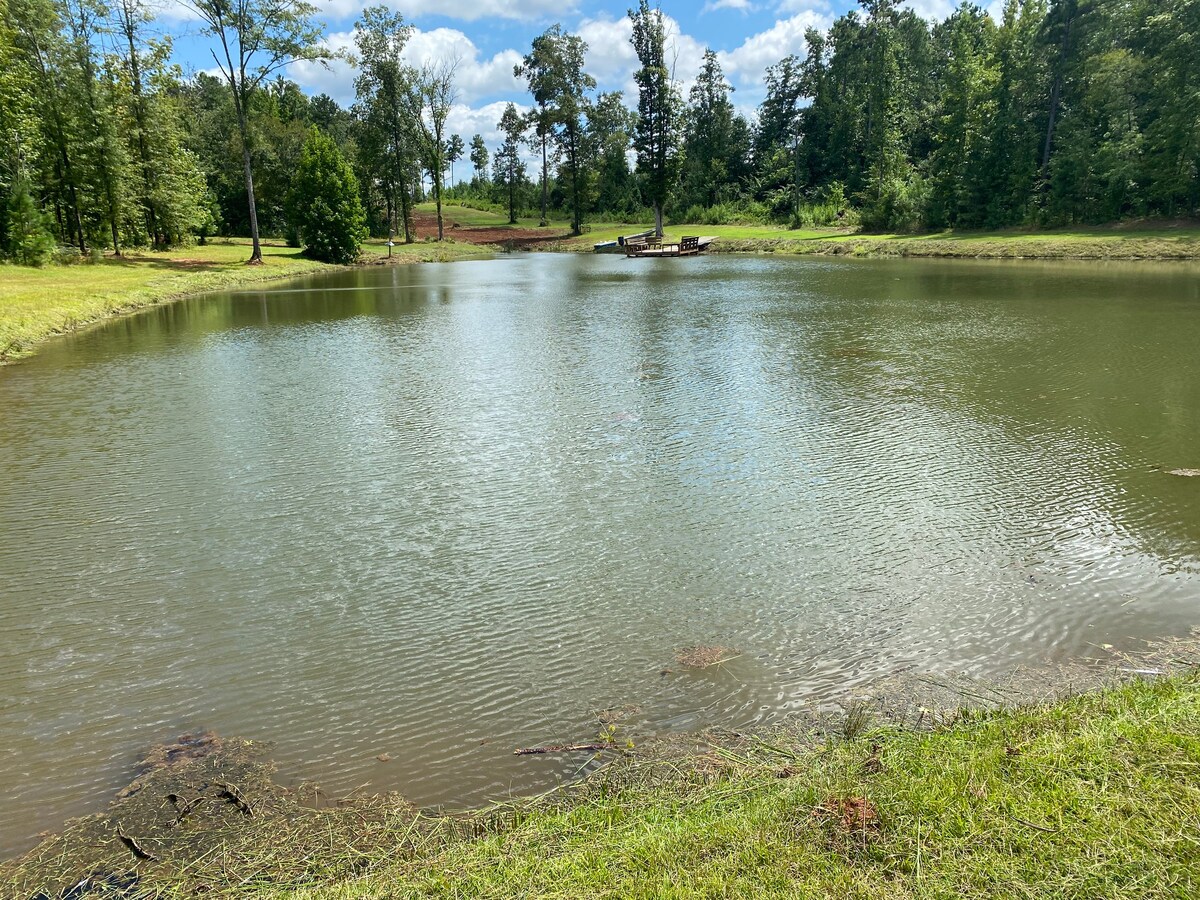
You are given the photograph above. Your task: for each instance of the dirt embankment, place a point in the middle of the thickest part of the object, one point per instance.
(504, 236)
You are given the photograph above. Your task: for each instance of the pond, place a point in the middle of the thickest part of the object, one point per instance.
(440, 512)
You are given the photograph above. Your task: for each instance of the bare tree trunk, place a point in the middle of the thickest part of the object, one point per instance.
(256, 252)
(658, 219)
(437, 200)
(406, 213)
(545, 187)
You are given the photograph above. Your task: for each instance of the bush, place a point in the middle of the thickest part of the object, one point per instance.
(739, 212)
(30, 242)
(324, 204)
(899, 206)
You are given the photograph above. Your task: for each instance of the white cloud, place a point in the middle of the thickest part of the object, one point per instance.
(932, 9)
(612, 62)
(476, 78)
(465, 10)
(749, 61)
(466, 120)
(740, 5)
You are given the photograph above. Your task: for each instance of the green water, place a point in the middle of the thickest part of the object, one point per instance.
(443, 511)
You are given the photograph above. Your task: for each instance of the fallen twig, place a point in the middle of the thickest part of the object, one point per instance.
(561, 748)
(233, 795)
(134, 847)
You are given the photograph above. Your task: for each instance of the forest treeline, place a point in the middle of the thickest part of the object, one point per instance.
(1064, 111)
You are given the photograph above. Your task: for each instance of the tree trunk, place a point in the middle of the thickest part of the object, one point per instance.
(437, 201)
(545, 187)
(405, 213)
(577, 217)
(256, 253)
(658, 219)
(139, 112)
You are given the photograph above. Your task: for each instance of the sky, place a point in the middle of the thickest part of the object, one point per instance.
(490, 36)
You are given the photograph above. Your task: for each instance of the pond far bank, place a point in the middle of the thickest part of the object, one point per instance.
(1150, 242)
(38, 304)
(972, 790)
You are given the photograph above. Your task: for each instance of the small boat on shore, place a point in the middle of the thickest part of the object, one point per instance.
(656, 247)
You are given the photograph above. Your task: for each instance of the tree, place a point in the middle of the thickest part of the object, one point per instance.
(777, 138)
(508, 169)
(257, 38)
(544, 70)
(102, 156)
(380, 37)
(429, 94)
(610, 128)
(656, 137)
(36, 30)
(454, 152)
(324, 202)
(715, 140)
(29, 241)
(554, 71)
(164, 187)
(966, 47)
(479, 158)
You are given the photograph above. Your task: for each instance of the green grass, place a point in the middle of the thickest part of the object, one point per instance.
(38, 303)
(1092, 797)
(1132, 242)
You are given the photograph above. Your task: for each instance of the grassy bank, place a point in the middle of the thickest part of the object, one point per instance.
(1093, 796)
(1178, 243)
(1098, 796)
(1118, 242)
(38, 303)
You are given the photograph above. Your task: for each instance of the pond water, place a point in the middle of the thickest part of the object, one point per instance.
(440, 512)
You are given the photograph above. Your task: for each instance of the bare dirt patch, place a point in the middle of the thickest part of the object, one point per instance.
(493, 235)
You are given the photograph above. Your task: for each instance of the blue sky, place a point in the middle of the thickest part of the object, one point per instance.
(489, 36)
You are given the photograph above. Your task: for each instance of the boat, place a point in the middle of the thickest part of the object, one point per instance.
(618, 246)
(653, 246)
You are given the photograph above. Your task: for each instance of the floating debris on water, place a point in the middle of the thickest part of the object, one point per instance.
(1185, 473)
(704, 657)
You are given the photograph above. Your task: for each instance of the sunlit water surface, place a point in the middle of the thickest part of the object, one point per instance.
(443, 511)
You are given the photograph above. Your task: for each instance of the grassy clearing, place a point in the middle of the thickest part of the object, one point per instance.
(1093, 796)
(38, 303)
(1124, 241)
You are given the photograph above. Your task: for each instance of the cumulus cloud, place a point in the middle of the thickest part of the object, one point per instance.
(612, 62)
(465, 10)
(477, 78)
(750, 60)
(932, 9)
(740, 5)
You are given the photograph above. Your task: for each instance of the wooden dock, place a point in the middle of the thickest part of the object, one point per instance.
(655, 247)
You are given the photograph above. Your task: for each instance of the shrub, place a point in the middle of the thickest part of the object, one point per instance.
(30, 242)
(324, 202)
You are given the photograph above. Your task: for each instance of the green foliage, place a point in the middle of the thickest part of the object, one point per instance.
(479, 158)
(656, 137)
(28, 240)
(508, 170)
(716, 141)
(740, 212)
(324, 202)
